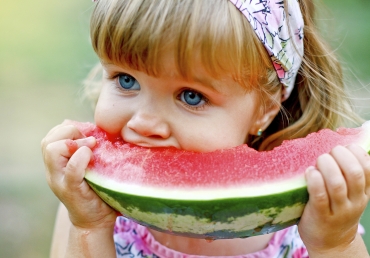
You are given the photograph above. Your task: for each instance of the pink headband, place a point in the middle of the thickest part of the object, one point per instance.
(280, 31)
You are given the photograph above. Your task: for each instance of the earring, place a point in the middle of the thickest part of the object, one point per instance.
(259, 133)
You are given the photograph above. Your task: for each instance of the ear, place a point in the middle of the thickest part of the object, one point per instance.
(267, 112)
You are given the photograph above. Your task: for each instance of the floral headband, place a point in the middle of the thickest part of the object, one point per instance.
(280, 31)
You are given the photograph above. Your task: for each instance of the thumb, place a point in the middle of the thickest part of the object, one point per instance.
(76, 167)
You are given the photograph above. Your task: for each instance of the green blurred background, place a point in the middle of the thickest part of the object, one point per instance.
(44, 56)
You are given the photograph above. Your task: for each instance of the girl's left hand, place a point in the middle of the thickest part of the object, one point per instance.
(339, 189)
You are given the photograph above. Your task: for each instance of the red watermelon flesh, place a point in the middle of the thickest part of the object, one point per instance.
(168, 167)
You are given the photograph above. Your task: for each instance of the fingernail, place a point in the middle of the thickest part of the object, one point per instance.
(71, 145)
(91, 139)
(309, 169)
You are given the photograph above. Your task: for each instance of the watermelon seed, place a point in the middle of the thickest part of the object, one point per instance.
(258, 229)
(209, 239)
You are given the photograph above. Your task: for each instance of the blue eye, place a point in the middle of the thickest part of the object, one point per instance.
(128, 82)
(192, 98)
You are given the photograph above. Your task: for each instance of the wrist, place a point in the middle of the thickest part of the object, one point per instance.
(354, 248)
(90, 242)
(95, 223)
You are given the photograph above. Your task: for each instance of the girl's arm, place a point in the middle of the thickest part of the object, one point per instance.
(61, 233)
(69, 241)
(354, 249)
(86, 243)
(339, 188)
(86, 228)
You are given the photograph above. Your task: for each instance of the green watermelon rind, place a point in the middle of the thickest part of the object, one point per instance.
(218, 218)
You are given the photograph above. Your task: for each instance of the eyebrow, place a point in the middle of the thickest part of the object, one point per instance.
(215, 85)
(109, 64)
(206, 82)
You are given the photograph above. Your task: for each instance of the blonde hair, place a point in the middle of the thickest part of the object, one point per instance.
(136, 33)
(319, 99)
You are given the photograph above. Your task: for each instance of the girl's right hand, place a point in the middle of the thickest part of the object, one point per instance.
(67, 153)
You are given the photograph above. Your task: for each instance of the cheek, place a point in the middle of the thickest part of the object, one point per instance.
(107, 117)
(206, 138)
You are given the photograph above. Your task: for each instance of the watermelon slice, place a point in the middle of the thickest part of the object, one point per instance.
(230, 193)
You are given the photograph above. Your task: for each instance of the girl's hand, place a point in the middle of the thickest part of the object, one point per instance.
(67, 152)
(339, 189)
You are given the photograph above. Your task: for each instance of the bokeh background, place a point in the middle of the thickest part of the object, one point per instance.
(45, 55)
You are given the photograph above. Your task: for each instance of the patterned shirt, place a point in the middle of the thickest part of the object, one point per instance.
(133, 241)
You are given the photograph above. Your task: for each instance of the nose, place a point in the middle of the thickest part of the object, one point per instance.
(149, 124)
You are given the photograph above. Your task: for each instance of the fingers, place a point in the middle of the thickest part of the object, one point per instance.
(65, 139)
(71, 145)
(59, 147)
(319, 198)
(335, 183)
(58, 154)
(352, 162)
(364, 160)
(66, 148)
(344, 175)
(74, 171)
(65, 122)
(60, 132)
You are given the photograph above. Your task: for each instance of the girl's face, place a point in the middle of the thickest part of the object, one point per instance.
(203, 114)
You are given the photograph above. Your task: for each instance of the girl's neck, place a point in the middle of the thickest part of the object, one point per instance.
(225, 247)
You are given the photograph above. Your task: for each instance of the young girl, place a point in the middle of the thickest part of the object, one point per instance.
(203, 75)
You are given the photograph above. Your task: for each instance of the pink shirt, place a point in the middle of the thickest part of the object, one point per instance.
(133, 240)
